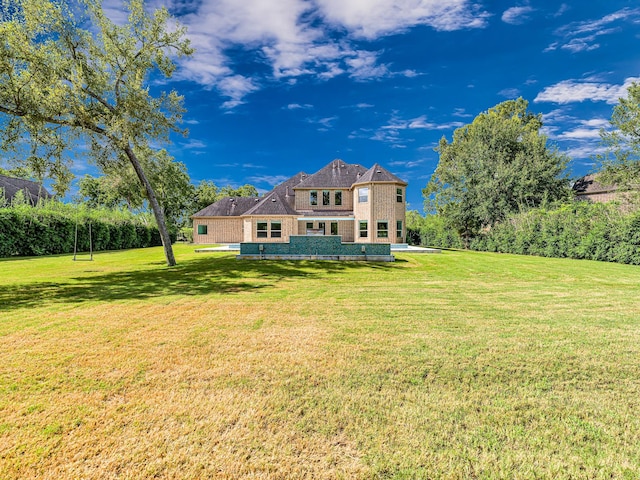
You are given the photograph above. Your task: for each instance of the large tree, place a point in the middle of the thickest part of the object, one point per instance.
(621, 164)
(498, 164)
(68, 73)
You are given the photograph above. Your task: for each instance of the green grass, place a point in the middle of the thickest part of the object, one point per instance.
(458, 365)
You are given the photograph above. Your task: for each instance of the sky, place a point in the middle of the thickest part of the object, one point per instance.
(282, 86)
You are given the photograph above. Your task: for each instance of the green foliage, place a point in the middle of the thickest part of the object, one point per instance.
(497, 165)
(431, 231)
(581, 230)
(68, 74)
(621, 164)
(50, 229)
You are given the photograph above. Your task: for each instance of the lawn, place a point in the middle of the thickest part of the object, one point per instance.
(458, 365)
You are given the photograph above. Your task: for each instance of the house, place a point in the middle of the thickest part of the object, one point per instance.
(10, 186)
(361, 205)
(588, 188)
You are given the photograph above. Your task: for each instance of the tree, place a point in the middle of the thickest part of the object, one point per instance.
(63, 79)
(498, 164)
(621, 164)
(207, 193)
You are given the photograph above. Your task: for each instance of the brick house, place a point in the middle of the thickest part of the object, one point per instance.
(361, 205)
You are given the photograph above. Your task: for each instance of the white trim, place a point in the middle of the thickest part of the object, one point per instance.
(324, 219)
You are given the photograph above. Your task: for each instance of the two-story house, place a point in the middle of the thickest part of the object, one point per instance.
(358, 204)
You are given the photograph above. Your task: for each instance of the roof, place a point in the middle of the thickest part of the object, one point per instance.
(587, 185)
(336, 174)
(228, 207)
(272, 204)
(379, 174)
(33, 191)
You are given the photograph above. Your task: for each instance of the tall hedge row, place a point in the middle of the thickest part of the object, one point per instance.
(581, 230)
(51, 229)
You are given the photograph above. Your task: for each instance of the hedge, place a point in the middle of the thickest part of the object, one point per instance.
(51, 229)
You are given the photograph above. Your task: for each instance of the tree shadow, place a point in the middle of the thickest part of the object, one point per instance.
(194, 277)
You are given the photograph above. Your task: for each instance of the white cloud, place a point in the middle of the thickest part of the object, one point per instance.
(581, 36)
(509, 93)
(272, 180)
(517, 15)
(300, 37)
(569, 91)
(193, 144)
(297, 106)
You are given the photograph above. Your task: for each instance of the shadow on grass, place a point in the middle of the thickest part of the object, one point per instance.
(200, 276)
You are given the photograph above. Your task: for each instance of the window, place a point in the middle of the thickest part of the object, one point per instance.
(363, 229)
(334, 228)
(325, 197)
(363, 195)
(276, 229)
(383, 229)
(202, 229)
(313, 197)
(309, 225)
(399, 195)
(321, 227)
(261, 228)
(399, 228)
(338, 198)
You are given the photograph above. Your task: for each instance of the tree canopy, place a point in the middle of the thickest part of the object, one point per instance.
(70, 74)
(621, 164)
(498, 164)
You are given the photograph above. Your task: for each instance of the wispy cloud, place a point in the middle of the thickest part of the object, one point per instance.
(582, 36)
(569, 91)
(296, 38)
(271, 180)
(517, 15)
(298, 106)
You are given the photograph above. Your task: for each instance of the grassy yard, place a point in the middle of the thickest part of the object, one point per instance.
(459, 365)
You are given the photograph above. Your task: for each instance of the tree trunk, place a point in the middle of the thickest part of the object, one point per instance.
(155, 206)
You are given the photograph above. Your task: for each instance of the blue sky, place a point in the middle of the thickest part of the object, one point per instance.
(281, 86)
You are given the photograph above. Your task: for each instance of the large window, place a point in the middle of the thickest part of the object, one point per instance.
(313, 197)
(399, 228)
(363, 229)
(325, 197)
(383, 229)
(363, 195)
(337, 199)
(276, 229)
(399, 195)
(261, 228)
(202, 229)
(334, 228)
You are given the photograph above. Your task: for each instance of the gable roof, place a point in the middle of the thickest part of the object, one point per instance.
(228, 207)
(588, 185)
(272, 204)
(337, 174)
(379, 174)
(33, 191)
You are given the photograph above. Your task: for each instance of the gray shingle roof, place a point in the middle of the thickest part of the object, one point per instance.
(228, 207)
(336, 174)
(32, 190)
(272, 204)
(588, 185)
(379, 174)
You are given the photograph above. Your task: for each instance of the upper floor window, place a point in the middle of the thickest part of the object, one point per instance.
(325, 197)
(337, 200)
(363, 195)
(313, 197)
(399, 195)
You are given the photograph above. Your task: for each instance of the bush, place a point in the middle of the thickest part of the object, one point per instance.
(50, 228)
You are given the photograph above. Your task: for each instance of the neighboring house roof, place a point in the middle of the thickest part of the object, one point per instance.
(33, 191)
(379, 174)
(228, 207)
(336, 174)
(587, 185)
